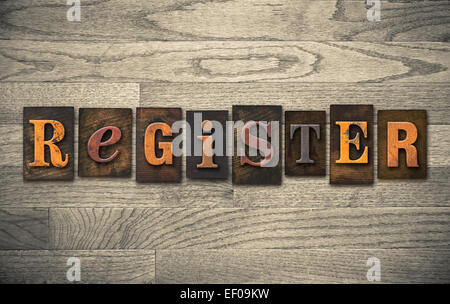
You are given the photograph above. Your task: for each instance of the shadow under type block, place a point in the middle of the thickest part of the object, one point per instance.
(305, 143)
(402, 144)
(48, 140)
(155, 162)
(207, 166)
(105, 142)
(257, 169)
(351, 144)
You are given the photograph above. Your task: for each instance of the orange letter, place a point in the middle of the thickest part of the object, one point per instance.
(346, 141)
(207, 147)
(39, 144)
(149, 144)
(95, 142)
(394, 144)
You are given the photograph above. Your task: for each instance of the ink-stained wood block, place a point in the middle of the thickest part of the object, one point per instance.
(63, 171)
(118, 151)
(419, 119)
(312, 145)
(194, 163)
(351, 173)
(246, 174)
(145, 172)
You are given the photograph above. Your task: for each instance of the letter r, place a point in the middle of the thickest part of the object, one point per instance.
(40, 143)
(394, 144)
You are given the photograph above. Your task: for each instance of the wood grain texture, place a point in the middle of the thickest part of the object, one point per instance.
(318, 193)
(299, 266)
(43, 266)
(235, 228)
(15, 96)
(111, 193)
(25, 228)
(214, 96)
(293, 192)
(224, 61)
(117, 20)
(302, 96)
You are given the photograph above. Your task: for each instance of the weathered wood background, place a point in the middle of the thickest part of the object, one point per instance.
(209, 55)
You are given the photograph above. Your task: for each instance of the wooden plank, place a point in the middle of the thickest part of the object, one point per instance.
(300, 96)
(118, 20)
(15, 96)
(235, 228)
(293, 192)
(110, 193)
(221, 96)
(316, 191)
(48, 149)
(218, 61)
(24, 228)
(43, 266)
(118, 150)
(299, 266)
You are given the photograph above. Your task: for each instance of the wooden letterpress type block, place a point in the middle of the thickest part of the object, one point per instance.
(48, 139)
(155, 162)
(305, 143)
(262, 168)
(207, 166)
(402, 144)
(105, 142)
(351, 144)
